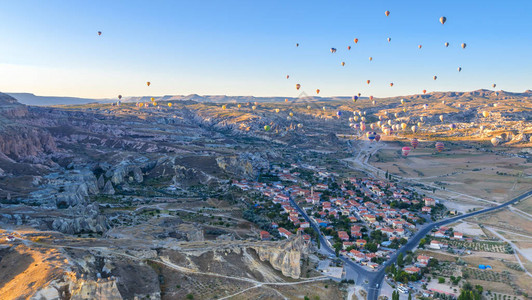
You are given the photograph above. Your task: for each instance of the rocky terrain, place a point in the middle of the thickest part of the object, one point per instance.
(133, 201)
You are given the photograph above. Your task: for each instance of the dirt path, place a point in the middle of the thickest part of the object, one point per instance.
(516, 249)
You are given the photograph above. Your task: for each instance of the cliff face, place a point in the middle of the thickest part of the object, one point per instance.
(285, 258)
(247, 165)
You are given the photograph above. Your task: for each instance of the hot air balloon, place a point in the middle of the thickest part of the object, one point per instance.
(435, 77)
(277, 110)
(141, 104)
(387, 13)
(370, 58)
(421, 118)
(239, 105)
(355, 118)
(386, 113)
(317, 91)
(348, 47)
(224, 107)
(389, 40)
(414, 128)
(442, 20)
(339, 113)
(169, 104)
(441, 118)
(372, 126)
(405, 151)
(119, 96)
(495, 141)
(486, 114)
(377, 137)
(425, 106)
(391, 83)
(443, 102)
(446, 44)
(299, 125)
(494, 85)
(404, 109)
(452, 126)
(298, 86)
(464, 45)
(439, 146)
(253, 107)
(459, 69)
(396, 115)
(362, 126)
(373, 102)
(291, 114)
(482, 127)
(267, 128)
(355, 98)
(403, 126)
(297, 44)
(99, 33)
(371, 136)
(390, 122)
(414, 142)
(424, 91)
(308, 106)
(359, 94)
(152, 99)
(148, 83)
(333, 50)
(343, 63)
(403, 101)
(419, 46)
(287, 76)
(356, 40)
(368, 81)
(370, 97)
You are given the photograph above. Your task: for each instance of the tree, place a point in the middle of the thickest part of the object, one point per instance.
(441, 280)
(190, 296)
(400, 260)
(409, 296)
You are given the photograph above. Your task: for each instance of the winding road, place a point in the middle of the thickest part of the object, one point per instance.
(375, 278)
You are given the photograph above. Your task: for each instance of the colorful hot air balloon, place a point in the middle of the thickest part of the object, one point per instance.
(224, 107)
(370, 97)
(424, 91)
(152, 99)
(439, 146)
(389, 39)
(362, 126)
(414, 128)
(403, 126)
(414, 142)
(425, 106)
(348, 47)
(333, 50)
(317, 91)
(299, 125)
(339, 114)
(391, 83)
(359, 94)
(494, 85)
(482, 127)
(99, 33)
(308, 106)
(169, 104)
(373, 102)
(372, 126)
(435, 77)
(443, 20)
(298, 86)
(239, 105)
(405, 151)
(387, 13)
(253, 107)
(343, 63)
(421, 118)
(287, 76)
(441, 118)
(119, 96)
(464, 45)
(371, 136)
(370, 58)
(277, 110)
(459, 69)
(486, 114)
(148, 83)
(443, 102)
(452, 126)
(377, 137)
(403, 101)
(368, 81)
(355, 98)
(291, 114)
(355, 118)
(267, 127)
(419, 46)
(356, 40)
(446, 44)
(495, 141)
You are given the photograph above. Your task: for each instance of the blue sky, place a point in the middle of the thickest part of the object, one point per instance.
(248, 47)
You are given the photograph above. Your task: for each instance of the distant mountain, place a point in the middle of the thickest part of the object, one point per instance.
(232, 99)
(31, 99)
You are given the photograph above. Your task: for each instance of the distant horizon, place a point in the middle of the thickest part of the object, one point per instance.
(233, 47)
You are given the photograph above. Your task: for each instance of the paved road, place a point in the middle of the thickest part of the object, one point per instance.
(375, 278)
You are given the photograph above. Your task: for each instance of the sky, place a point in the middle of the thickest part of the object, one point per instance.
(248, 47)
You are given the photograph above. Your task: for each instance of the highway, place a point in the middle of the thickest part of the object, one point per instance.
(375, 278)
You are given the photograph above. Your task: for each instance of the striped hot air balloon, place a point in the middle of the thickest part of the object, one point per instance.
(439, 146)
(405, 151)
(414, 142)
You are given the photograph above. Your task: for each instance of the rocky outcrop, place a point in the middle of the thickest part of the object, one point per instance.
(108, 189)
(79, 289)
(285, 258)
(87, 220)
(246, 164)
